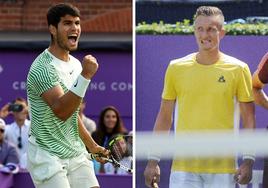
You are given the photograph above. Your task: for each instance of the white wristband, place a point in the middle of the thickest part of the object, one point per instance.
(153, 157)
(80, 86)
(252, 157)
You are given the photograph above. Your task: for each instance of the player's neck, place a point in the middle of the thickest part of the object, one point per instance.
(59, 53)
(208, 57)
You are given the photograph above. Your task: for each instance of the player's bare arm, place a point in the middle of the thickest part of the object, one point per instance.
(244, 173)
(58, 100)
(164, 118)
(89, 142)
(163, 123)
(247, 111)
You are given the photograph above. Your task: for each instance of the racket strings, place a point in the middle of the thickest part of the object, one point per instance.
(127, 161)
(117, 152)
(120, 147)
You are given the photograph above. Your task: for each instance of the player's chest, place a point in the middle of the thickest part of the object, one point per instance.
(206, 81)
(67, 75)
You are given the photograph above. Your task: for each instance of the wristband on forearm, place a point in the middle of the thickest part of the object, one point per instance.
(251, 157)
(153, 157)
(80, 86)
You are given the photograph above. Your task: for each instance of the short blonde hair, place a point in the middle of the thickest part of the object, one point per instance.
(210, 11)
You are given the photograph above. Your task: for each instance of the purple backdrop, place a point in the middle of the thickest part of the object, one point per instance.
(112, 85)
(153, 54)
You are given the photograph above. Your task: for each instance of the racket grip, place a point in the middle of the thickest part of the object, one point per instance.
(155, 185)
(91, 156)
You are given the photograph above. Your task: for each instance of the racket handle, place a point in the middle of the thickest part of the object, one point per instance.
(90, 156)
(155, 185)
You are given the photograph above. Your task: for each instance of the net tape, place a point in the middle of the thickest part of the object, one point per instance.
(202, 144)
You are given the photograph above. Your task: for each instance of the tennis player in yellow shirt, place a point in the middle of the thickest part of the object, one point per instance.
(206, 86)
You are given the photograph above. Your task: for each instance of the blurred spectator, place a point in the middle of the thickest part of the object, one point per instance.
(130, 143)
(18, 131)
(110, 124)
(89, 123)
(8, 152)
(4, 111)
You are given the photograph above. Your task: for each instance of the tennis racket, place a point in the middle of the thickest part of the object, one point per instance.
(120, 147)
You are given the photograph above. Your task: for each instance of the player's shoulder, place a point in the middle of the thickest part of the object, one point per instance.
(186, 60)
(41, 62)
(43, 58)
(232, 61)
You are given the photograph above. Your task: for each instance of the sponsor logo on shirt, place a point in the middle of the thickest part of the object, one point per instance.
(221, 79)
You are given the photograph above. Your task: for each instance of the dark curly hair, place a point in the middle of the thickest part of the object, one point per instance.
(55, 13)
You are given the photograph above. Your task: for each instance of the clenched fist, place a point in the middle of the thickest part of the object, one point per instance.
(90, 66)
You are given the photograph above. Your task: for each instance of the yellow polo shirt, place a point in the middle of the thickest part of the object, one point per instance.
(206, 98)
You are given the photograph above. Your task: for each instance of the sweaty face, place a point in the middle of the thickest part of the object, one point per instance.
(68, 33)
(110, 119)
(208, 32)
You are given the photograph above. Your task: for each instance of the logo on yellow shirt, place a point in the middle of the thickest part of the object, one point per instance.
(221, 79)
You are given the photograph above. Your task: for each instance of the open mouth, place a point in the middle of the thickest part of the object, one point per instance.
(72, 38)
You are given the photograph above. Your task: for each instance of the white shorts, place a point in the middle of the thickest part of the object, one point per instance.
(49, 171)
(180, 179)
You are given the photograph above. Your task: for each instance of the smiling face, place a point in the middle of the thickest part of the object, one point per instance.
(110, 120)
(208, 32)
(67, 33)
